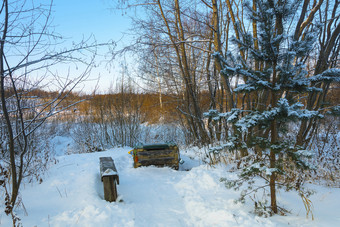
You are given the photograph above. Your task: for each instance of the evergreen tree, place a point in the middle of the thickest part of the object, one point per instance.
(280, 75)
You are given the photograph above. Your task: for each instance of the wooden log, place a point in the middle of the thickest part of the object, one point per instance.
(109, 177)
(110, 188)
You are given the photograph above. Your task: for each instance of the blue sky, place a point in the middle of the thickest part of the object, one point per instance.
(75, 19)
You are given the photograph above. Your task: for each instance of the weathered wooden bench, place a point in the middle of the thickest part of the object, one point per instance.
(156, 154)
(109, 177)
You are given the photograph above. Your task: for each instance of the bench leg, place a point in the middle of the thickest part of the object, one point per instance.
(110, 188)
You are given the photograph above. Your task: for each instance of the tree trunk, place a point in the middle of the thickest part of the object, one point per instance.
(15, 185)
(272, 155)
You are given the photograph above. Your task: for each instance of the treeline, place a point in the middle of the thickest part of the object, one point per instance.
(154, 107)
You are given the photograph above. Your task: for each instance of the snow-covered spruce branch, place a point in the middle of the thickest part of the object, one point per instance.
(330, 75)
(283, 110)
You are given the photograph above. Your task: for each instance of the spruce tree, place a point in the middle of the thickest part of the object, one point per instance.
(281, 77)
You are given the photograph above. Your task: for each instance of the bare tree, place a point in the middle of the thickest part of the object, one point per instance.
(28, 48)
(178, 37)
(327, 55)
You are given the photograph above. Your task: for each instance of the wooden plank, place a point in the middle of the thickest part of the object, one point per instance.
(109, 177)
(155, 155)
(107, 163)
(157, 162)
(110, 188)
(107, 167)
(155, 146)
(156, 152)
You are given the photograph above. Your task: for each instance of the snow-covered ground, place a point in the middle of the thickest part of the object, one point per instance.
(71, 194)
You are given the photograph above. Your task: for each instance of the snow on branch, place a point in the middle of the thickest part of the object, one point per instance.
(231, 116)
(282, 111)
(330, 75)
(335, 110)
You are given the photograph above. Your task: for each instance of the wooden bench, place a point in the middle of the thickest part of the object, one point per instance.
(109, 177)
(156, 154)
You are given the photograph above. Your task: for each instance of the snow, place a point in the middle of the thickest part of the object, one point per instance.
(61, 144)
(109, 172)
(71, 194)
(330, 75)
